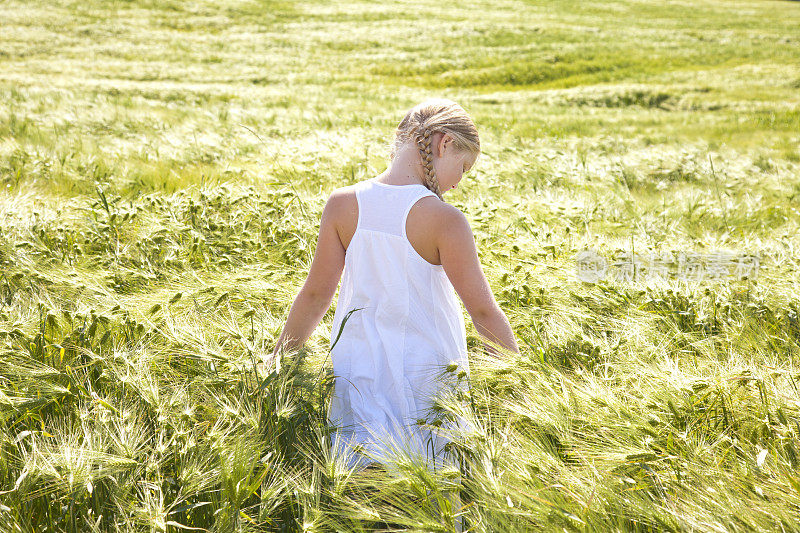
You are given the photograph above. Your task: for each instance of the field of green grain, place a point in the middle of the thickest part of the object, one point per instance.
(163, 166)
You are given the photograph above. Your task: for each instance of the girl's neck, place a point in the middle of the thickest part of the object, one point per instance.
(385, 179)
(398, 178)
(405, 169)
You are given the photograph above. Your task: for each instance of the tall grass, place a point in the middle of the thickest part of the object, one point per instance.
(163, 166)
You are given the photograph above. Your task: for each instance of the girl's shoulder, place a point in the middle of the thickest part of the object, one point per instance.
(343, 204)
(431, 206)
(343, 198)
(341, 209)
(432, 219)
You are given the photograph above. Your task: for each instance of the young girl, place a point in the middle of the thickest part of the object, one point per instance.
(405, 254)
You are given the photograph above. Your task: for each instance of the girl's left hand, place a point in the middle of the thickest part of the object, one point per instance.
(270, 363)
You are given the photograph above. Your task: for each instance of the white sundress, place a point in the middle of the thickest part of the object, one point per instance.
(390, 357)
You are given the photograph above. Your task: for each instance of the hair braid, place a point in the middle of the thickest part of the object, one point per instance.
(424, 144)
(435, 115)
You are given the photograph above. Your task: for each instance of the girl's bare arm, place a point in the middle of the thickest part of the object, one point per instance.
(315, 296)
(460, 261)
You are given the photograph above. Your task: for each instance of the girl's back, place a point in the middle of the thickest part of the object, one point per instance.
(423, 223)
(406, 325)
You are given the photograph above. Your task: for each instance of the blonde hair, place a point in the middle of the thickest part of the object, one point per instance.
(429, 117)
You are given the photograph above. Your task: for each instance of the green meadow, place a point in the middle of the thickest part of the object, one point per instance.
(163, 168)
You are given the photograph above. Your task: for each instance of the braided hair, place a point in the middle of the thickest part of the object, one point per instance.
(424, 142)
(429, 117)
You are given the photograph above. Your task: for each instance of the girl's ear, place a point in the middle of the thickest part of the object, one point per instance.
(442, 143)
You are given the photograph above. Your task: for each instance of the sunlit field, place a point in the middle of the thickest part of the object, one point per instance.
(163, 167)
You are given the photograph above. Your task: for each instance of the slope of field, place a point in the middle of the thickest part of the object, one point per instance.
(163, 167)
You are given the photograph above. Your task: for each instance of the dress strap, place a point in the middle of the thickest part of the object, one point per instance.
(384, 208)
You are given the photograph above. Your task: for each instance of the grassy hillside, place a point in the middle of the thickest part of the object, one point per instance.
(163, 167)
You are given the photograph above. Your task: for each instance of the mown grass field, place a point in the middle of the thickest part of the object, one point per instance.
(163, 166)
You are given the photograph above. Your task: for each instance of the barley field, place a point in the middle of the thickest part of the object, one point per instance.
(163, 167)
